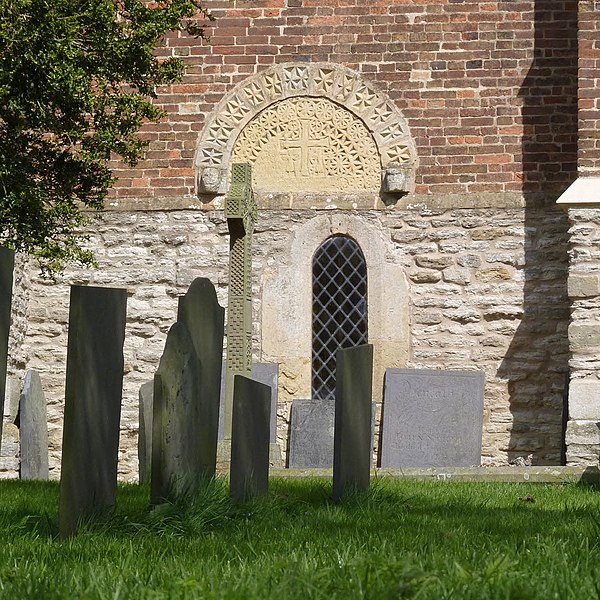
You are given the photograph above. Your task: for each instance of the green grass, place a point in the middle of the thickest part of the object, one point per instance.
(402, 539)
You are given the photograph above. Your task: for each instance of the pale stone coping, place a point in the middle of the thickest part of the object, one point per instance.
(417, 202)
(557, 474)
(584, 192)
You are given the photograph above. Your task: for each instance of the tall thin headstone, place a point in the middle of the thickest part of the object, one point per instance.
(249, 467)
(7, 265)
(93, 392)
(241, 214)
(352, 449)
(186, 396)
(33, 429)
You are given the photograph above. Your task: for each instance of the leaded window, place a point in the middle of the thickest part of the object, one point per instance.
(339, 308)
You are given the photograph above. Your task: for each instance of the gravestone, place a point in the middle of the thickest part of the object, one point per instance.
(146, 401)
(241, 214)
(185, 414)
(7, 265)
(352, 448)
(432, 418)
(266, 373)
(93, 390)
(33, 429)
(311, 434)
(249, 468)
(204, 318)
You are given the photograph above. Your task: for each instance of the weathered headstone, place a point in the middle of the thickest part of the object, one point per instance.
(93, 391)
(7, 265)
(241, 214)
(249, 468)
(311, 434)
(33, 429)
(352, 449)
(312, 425)
(204, 318)
(186, 396)
(146, 402)
(266, 373)
(432, 418)
(176, 458)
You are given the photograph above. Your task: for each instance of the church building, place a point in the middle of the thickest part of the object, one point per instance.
(427, 180)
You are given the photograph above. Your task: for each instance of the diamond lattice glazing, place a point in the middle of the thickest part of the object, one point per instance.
(339, 308)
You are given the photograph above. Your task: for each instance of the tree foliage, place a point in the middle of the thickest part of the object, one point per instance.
(77, 78)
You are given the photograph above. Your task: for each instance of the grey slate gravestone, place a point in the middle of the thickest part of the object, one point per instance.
(432, 418)
(186, 395)
(311, 434)
(146, 402)
(7, 264)
(352, 450)
(267, 373)
(249, 468)
(33, 429)
(93, 391)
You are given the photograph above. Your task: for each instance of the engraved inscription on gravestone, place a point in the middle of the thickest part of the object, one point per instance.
(432, 418)
(311, 434)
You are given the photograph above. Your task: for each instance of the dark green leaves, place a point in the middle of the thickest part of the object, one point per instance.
(76, 82)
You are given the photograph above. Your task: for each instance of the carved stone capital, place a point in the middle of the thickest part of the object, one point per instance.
(396, 179)
(211, 180)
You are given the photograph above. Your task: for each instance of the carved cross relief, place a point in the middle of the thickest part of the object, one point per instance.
(313, 127)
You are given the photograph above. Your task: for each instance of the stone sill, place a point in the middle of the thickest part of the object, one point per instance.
(326, 202)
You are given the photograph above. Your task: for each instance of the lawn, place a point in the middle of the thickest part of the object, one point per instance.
(402, 539)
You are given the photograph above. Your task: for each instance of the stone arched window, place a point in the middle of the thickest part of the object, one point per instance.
(339, 308)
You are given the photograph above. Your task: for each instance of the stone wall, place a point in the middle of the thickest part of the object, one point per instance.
(583, 431)
(486, 289)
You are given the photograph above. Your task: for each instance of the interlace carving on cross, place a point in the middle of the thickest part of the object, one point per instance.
(241, 214)
(240, 203)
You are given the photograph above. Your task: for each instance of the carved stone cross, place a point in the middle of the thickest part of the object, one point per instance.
(308, 150)
(241, 214)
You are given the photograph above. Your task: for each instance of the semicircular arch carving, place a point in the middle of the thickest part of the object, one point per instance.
(283, 89)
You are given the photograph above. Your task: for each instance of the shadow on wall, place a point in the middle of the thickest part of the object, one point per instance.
(536, 364)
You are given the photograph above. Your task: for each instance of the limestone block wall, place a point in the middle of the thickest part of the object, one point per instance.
(583, 430)
(485, 288)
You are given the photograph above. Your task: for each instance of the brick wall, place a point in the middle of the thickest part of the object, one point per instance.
(589, 98)
(488, 88)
